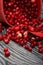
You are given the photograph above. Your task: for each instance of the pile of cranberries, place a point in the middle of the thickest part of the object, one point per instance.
(21, 35)
(22, 16)
(21, 11)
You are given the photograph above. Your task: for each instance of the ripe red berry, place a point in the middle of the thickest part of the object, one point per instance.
(26, 46)
(29, 48)
(39, 43)
(1, 37)
(40, 46)
(22, 43)
(40, 50)
(6, 40)
(7, 54)
(16, 28)
(32, 45)
(5, 49)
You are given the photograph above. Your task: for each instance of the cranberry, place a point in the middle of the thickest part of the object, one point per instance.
(13, 34)
(40, 50)
(40, 46)
(32, 40)
(30, 48)
(5, 49)
(16, 28)
(26, 46)
(22, 43)
(7, 54)
(33, 1)
(1, 37)
(7, 39)
(8, 30)
(22, 31)
(39, 43)
(25, 37)
(31, 45)
(17, 40)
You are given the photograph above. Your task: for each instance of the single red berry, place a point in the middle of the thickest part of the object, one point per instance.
(40, 50)
(40, 46)
(35, 43)
(5, 49)
(6, 40)
(13, 34)
(22, 43)
(29, 48)
(25, 37)
(1, 37)
(33, 1)
(32, 45)
(39, 43)
(7, 54)
(16, 28)
(26, 46)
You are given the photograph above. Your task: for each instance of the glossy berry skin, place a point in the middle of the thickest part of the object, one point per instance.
(32, 45)
(6, 40)
(16, 28)
(40, 46)
(26, 46)
(5, 49)
(7, 54)
(40, 50)
(33, 1)
(1, 37)
(30, 49)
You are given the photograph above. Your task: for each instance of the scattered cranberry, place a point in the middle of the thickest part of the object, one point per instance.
(7, 39)
(39, 43)
(16, 28)
(19, 35)
(5, 49)
(1, 37)
(7, 54)
(40, 50)
(40, 46)
(22, 43)
(32, 45)
(26, 46)
(30, 49)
